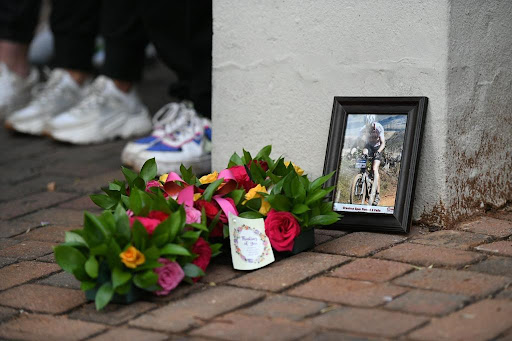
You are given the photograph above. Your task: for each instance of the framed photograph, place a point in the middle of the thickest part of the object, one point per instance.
(374, 147)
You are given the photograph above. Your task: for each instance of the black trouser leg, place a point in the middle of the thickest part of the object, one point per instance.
(182, 34)
(18, 20)
(75, 26)
(125, 39)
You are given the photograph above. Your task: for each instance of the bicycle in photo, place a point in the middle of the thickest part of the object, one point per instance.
(362, 191)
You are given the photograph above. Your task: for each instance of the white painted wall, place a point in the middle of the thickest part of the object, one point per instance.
(278, 64)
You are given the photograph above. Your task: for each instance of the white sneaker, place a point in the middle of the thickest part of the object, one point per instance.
(165, 122)
(58, 94)
(103, 114)
(188, 144)
(15, 91)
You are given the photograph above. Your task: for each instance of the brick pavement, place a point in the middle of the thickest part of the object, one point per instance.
(444, 285)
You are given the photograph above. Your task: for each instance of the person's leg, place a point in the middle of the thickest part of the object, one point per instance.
(182, 34)
(18, 20)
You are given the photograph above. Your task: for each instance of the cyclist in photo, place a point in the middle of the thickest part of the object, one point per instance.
(372, 134)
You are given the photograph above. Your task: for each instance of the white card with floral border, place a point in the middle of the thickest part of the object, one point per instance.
(250, 246)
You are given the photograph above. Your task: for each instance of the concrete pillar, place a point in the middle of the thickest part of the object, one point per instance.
(278, 64)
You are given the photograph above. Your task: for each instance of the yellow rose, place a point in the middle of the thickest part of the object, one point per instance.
(163, 178)
(197, 196)
(298, 170)
(132, 257)
(208, 179)
(254, 193)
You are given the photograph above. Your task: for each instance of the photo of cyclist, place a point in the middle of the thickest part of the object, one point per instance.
(372, 135)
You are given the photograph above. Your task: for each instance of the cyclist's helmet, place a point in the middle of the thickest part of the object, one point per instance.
(369, 119)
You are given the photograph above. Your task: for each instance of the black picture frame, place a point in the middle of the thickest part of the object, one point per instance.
(415, 108)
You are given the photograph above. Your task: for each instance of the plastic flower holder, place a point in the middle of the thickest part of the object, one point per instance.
(304, 241)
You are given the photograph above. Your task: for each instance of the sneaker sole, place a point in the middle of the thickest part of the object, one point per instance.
(136, 125)
(200, 166)
(29, 128)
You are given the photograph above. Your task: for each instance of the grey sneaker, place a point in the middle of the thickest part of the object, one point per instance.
(376, 200)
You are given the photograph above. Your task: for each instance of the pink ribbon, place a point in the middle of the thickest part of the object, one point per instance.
(173, 177)
(186, 196)
(225, 205)
(226, 174)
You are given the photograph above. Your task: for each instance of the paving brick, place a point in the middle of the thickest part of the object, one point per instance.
(454, 282)
(124, 333)
(14, 227)
(480, 321)
(42, 298)
(369, 321)
(94, 183)
(490, 226)
(62, 279)
(52, 234)
(45, 327)
(31, 203)
(506, 337)
(239, 327)
(374, 270)
(503, 248)
(280, 306)
(27, 250)
(331, 233)
(218, 273)
(33, 186)
(48, 258)
(112, 314)
(322, 238)
(290, 271)
(81, 204)
(360, 244)
(178, 293)
(6, 261)
(180, 315)
(427, 302)
(426, 255)
(452, 239)
(7, 313)
(19, 273)
(337, 336)
(505, 294)
(500, 266)
(56, 217)
(6, 242)
(347, 291)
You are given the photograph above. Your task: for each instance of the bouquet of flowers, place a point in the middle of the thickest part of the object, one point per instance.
(145, 240)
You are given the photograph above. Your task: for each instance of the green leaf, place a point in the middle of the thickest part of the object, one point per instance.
(95, 233)
(279, 202)
(174, 249)
(253, 204)
(323, 220)
(214, 221)
(120, 277)
(225, 231)
(216, 249)
(113, 186)
(123, 289)
(264, 152)
(192, 270)
(316, 195)
(176, 222)
(139, 183)
(320, 181)
(326, 207)
(129, 175)
(91, 267)
(71, 260)
(72, 237)
(298, 191)
(300, 208)
(210, 190)
(251, 215)
(235, 160)
(257, 173)
(104, 295)
(112, 253)
(148, 171)
(87, 285)
(200, 227)
(139, 235)
(191, 235)
(160, 240)
(103, 201)
(123, 231)
(146, 279)
(237, 195)
(247, 156)
(152, 253)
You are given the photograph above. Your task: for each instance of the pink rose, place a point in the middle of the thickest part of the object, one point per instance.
(170, 274)
(193, 215)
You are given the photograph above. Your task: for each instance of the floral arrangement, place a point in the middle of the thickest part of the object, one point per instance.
(155, 233)
(143, 241)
